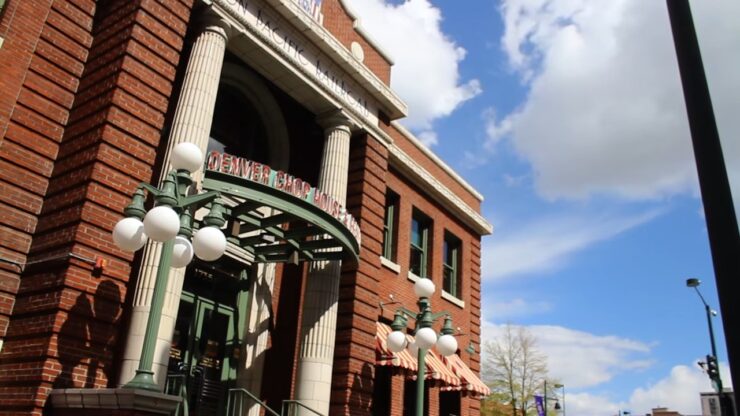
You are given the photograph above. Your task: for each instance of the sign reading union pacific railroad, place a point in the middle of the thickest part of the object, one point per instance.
(272, 28)
(282, 181)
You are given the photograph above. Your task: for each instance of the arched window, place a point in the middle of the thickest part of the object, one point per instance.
(237, 127)
(248, 121)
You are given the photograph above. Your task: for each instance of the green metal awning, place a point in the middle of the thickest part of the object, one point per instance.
(277, 227)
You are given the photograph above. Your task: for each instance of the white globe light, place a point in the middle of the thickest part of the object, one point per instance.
(396, 341)
(425, 338)
(209, 243)
(161, 223)
(424, 288)
(182, 252)
(413, 348)
(447, 345)
(129, 235)
(186, 156)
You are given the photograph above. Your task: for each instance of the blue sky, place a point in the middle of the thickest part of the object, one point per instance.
(567, 115)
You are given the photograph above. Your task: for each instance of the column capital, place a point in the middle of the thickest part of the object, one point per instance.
(210, 21)
(335, 120)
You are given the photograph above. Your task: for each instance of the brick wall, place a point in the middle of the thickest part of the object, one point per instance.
(28, 141)
(338, 22)
(354, 356)
(83, 131)
(361, 291)
(403, 143)
(398, 284)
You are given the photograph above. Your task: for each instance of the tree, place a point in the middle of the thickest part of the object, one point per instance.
(514, 369)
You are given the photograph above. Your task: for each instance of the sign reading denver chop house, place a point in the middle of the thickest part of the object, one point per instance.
(282, 181)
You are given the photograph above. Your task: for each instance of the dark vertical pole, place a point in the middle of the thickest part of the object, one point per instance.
(724, 239)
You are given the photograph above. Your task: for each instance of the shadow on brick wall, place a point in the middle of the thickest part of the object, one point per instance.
(361, 398)
(86, 338)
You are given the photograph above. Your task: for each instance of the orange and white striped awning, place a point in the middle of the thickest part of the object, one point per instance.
(469, 380)
(384, 356)
(435, 368)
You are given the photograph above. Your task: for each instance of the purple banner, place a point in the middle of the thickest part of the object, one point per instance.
(539, 402)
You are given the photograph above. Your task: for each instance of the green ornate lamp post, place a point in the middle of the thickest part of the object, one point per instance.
(170, 222)
(425, 336)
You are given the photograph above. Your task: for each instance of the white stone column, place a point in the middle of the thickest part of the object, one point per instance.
(319, 321)
(256, 334)
(192, 123)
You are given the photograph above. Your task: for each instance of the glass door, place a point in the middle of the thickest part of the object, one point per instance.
(205, 342)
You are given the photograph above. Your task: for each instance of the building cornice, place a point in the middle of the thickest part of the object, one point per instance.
(390, 102)
(439, 162)
(432, 186)
(357, 25)
(240, 23)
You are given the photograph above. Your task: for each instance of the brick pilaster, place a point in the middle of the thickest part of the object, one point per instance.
(354, 356)
(88, 117)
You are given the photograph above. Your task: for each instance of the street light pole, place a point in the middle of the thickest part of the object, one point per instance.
(712, 364)
(425, 336)
(716, 379)
(545, 398)
(169, 222)
(719, 210)
(562, 387)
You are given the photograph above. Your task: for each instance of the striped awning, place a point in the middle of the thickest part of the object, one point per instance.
(469, 380)
(384, 356)
(435, 368)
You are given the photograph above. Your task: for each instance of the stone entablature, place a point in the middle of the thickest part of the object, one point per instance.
(307, 37)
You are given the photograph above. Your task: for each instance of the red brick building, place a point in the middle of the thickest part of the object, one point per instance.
(94, 96)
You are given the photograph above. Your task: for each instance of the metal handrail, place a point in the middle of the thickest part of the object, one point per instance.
(296, 402)
(232, 392)
(182, 391)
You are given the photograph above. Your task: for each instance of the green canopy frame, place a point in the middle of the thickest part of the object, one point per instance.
(300, 231)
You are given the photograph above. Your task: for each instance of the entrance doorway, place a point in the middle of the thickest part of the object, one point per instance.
(208, 332)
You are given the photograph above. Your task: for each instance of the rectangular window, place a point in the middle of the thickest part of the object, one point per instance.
(451, 266)
(419, 241)
(389, 225)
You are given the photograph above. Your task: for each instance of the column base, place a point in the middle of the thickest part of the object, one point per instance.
(143, 380)
(110, 402)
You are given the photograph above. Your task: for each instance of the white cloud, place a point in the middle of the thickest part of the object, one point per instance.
(515, 307)
(586, 362)
(605, 112)
(428, 138)
(474, 159)
(581, 359)
(679, 390)
(514, 181)
(548, 243)
(587, 404)
(425, 73)
(495, 130)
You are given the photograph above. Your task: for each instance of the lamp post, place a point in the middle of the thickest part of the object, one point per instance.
(712, 365)
(562, 394)
(545, 398)
(425, 336)
(169, 222)
(710, 312)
